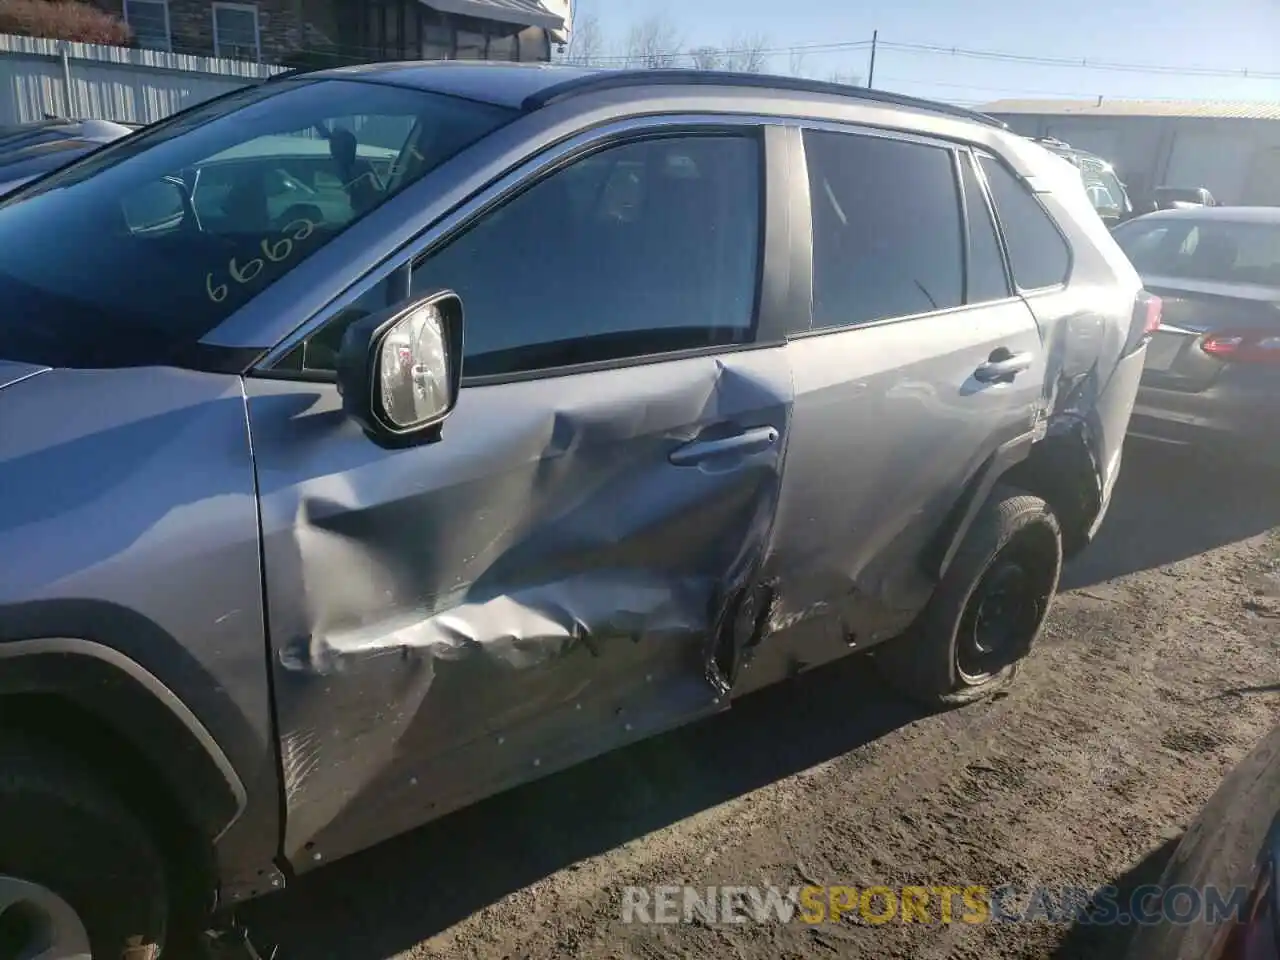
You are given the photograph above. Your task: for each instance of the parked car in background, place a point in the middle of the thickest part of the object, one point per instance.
(1226, 870)
(1182, 198)
(756, 372)
(29, 150)
(1213, 368)
(1107, 194)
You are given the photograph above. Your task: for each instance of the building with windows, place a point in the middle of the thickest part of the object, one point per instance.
(331, 32)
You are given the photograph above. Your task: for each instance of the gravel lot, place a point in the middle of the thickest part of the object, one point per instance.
(1158, 671)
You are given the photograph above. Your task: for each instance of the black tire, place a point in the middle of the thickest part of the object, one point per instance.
(61, 829)
(1014, 550)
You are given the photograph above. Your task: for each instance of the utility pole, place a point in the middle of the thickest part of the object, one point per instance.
(871, 71)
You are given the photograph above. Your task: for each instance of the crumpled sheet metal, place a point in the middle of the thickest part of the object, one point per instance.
(543, 561)
(522, 630)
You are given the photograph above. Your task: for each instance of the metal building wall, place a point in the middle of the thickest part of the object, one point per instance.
(86, 80)
(1228, 156)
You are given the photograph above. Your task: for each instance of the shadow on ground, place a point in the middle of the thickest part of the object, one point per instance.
(1173, 503)
(1086, 941)
(384, 901)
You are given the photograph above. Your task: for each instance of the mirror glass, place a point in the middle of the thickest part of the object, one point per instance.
(413, 369)
(157, 206)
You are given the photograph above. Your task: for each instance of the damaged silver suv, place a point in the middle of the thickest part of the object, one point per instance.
(378, 439)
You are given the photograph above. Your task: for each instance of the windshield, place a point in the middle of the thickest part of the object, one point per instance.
(132, 254)
(1215, 250)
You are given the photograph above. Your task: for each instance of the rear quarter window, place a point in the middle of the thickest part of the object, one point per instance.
(1038, 253)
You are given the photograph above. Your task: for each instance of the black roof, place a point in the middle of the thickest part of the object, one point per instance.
(503, 84)
(531, 86)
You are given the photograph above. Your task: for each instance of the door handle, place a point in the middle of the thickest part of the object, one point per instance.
(745, 443)
(1002, 366)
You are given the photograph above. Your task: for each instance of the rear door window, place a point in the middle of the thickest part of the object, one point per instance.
(1038, 253)
(887, 233)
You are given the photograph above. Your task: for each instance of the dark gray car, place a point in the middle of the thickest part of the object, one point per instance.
(512, 415)
(1213, 368)
(1225, 867)
(30, 150)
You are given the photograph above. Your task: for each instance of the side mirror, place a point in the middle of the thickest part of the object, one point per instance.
(399, 370)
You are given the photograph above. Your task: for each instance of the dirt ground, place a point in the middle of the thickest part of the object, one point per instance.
(1158, 671)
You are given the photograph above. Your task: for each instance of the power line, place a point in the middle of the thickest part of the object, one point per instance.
(1024, 91)
(677, 56)
(975, 86)
(1085, 63)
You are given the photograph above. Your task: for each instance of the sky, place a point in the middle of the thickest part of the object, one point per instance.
(1212, 36)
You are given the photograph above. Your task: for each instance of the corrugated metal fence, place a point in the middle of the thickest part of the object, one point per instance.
(89, 80)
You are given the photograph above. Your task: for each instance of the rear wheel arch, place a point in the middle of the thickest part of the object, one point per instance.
(1059, 468)
(1062, 471)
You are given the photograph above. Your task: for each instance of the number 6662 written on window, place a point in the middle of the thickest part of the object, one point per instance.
(273, 251)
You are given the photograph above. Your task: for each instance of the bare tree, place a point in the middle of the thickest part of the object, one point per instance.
(748, 54)
(795, 66)
(707, 58)
(849, 79)
(654, 43)
(586, 42)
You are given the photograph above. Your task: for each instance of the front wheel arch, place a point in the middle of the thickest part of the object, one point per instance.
(100, 691)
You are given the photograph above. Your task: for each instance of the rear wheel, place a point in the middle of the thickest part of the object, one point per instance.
(80, 877)
(988, 608)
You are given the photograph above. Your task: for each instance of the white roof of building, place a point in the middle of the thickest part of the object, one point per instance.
(530, 13)
(1108, 107)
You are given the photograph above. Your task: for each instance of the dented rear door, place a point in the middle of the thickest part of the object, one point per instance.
(543, 583)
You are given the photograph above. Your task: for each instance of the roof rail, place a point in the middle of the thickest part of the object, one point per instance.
(616, 79)
(289, 74)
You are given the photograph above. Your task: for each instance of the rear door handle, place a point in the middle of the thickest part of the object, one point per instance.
(1002, 366)
(742, 444)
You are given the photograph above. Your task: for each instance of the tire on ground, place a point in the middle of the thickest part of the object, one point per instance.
(923, 663)
(64, 830)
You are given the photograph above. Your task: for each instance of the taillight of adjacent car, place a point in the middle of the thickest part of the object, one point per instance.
(1243, 346)
(1148, 310)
